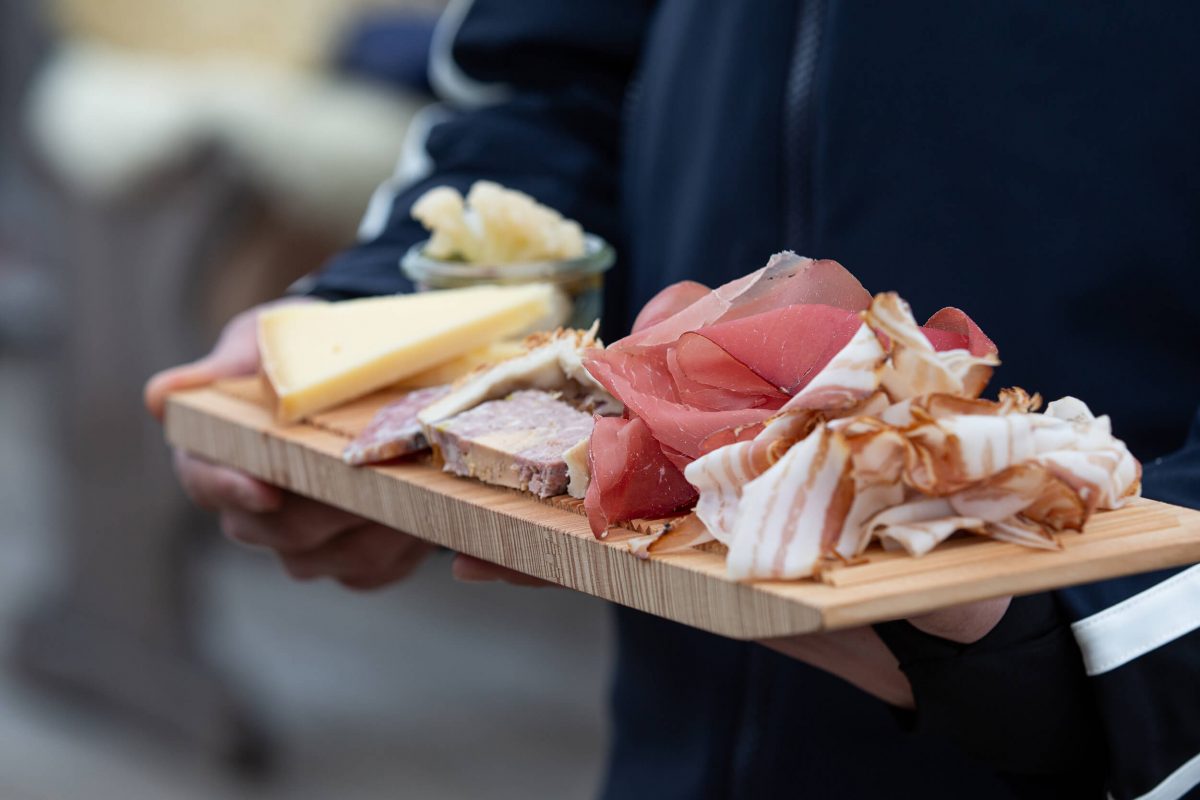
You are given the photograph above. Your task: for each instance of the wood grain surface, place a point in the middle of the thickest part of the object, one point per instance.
(230, 423)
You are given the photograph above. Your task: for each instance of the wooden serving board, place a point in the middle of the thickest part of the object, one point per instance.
(229, 423)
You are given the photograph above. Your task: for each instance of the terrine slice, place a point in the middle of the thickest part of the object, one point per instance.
(517, 442)
(394, 431)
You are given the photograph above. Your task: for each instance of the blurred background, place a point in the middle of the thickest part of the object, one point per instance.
(164, 164)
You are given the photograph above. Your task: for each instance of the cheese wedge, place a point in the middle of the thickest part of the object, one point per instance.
(320, 355)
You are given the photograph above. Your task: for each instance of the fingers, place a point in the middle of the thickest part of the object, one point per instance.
(219, 488)
(236, 353)
(297, 525)
(365, 557)
(964, 624)
(185, 376)
(474, 570)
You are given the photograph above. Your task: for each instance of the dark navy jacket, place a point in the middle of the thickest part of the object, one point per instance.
(1037, 164)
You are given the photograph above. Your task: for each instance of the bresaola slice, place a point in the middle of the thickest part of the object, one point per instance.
(786, 280)
(644, 384)
(630, 475)
(769, 346)
(669, 302)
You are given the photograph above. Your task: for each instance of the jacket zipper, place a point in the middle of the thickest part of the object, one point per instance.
(799, 125)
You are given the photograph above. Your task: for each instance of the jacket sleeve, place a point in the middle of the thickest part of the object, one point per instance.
(1140, 640)
(532, 93)
(1176, 478)
(1022, 699)
(1017, 699)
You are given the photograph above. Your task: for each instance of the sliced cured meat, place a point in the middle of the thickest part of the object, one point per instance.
(893, 460)
(643, 383)
(793, 513)
(916, 367)
(668, 302)
(630, 475)
(394, 431)
(787, 280)
(715, 372)
(676, 536)
(787, 346)
(707, 376)
(951, 320)
(847, 379)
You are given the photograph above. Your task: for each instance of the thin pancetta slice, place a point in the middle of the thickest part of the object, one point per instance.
(891, 441)
(869, 500)
(793, 514)
(394, 431)
(920, 524)
(915, 367)
(676, 536)
(1027, 489)
(721, 476)
(918, 538)
(630, 476)
(1024, 533)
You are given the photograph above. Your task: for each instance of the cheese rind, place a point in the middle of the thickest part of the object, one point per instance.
(317, 356)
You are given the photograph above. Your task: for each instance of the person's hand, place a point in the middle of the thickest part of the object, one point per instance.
(860, 657)
(469, 569)
(311, 539)
(234, 355)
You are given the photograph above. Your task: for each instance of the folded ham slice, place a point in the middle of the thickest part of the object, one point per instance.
(704, 370)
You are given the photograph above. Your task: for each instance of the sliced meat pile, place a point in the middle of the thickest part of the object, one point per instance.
(521, 422)
(706, 368)
(890, 441)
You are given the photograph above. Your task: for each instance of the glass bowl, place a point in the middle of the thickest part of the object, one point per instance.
(581, 279)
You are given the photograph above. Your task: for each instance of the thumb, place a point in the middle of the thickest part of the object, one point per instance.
(236, 354)
(185, 376)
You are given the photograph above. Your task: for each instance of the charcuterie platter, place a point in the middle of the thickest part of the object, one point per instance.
(783, 454)
(235, 423)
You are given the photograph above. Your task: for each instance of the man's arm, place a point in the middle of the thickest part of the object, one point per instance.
(534, 91)
(532, 98)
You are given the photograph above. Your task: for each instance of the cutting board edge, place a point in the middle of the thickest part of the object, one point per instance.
(680, 587)
(553, 543)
